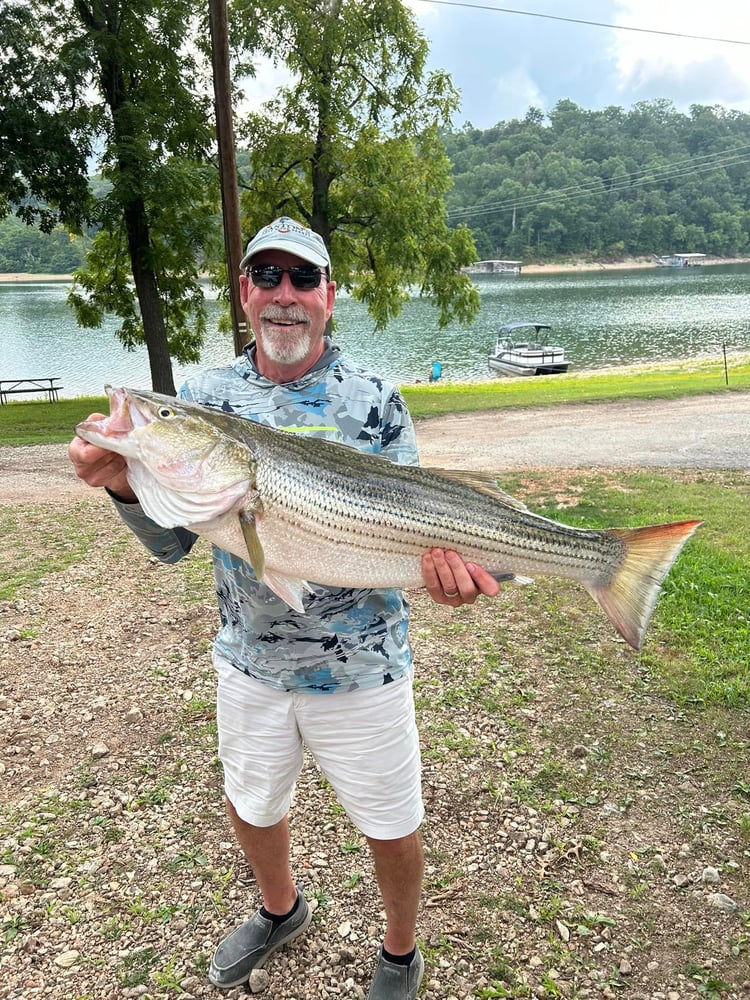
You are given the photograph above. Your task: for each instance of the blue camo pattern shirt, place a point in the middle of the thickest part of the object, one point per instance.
(346, 639)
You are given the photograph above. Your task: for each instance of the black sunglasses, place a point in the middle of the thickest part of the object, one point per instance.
(304, 277)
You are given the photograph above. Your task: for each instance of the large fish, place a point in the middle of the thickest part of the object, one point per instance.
(303, 509)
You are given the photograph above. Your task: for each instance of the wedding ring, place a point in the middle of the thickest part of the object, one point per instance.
(451, 593)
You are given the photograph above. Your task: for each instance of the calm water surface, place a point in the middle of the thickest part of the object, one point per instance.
(601, 318)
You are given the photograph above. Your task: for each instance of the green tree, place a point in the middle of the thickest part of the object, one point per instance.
(352, 147)
(44, 142)
(140, 91)
(649, 180)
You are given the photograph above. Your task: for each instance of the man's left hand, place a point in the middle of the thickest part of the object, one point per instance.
(450, 580)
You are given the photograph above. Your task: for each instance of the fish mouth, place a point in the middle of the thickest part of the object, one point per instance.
(124, 416)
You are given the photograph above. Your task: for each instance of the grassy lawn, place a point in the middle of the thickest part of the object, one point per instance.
(40, 422)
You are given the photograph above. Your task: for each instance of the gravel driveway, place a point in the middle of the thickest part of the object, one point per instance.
(710, 432)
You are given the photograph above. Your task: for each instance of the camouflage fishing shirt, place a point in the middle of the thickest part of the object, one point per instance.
(346, 639)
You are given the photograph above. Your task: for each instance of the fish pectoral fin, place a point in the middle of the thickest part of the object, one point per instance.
(288, 588)
(483, 483)
(254, 548)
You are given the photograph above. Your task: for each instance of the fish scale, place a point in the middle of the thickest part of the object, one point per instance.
(404, 524)
(305, 510)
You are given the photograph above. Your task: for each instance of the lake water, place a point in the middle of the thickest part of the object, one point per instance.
(601, 318)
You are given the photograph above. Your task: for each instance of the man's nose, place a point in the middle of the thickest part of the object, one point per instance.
(285, 290)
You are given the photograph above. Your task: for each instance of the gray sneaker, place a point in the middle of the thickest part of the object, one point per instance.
(396, 982)
(249, 946)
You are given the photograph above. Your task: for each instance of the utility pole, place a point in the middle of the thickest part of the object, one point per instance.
(230, 199)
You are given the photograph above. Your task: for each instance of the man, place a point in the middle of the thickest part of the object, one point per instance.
(275, 667)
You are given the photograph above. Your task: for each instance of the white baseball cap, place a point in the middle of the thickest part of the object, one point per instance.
(286, 234)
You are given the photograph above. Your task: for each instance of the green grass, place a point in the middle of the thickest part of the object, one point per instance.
(41, 422)
(703, 614)
(640, 383)
(38, 544)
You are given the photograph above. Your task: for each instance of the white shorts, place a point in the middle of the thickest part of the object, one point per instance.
(365, 742)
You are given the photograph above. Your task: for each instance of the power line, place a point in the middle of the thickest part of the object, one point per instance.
(637, 179)
(591, 24)
(634, 179)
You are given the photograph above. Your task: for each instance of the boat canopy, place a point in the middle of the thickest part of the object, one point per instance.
(518, 324)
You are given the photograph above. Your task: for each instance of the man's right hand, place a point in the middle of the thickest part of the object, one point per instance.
(99, 467)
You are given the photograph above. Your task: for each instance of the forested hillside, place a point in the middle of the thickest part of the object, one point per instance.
(600, 184)
(605, 184)
(26, 249)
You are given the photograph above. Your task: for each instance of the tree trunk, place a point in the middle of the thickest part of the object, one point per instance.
(147, 290)
(101, 20)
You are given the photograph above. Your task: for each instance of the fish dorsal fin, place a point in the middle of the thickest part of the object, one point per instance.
(483, 483)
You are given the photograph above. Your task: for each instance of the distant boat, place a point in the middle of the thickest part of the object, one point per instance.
(495, 267)
(526, 356)
(679, 259)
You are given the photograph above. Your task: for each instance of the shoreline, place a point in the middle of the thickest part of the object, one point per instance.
(628, 264)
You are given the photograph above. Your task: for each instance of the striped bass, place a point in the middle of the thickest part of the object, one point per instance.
(302, 509)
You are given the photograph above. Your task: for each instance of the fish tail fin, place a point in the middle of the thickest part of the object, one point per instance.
(629, 599)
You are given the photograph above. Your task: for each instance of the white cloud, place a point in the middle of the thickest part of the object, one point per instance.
(513, 93)
(688, 71)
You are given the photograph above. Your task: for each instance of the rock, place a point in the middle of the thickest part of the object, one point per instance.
(626, 969)
(710, 875)
(563, 930)
(67, 959)
(259, 980)
(99, 750)
(344, 929)
(720, 901)
(63, 882)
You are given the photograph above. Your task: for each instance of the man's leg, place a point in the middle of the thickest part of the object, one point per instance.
(399, 867)
(284, 914)
(259, 774)
(267, 851)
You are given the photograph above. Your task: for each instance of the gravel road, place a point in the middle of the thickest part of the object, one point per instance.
(711, 432)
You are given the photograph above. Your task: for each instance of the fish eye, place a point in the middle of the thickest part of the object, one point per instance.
(165, 412)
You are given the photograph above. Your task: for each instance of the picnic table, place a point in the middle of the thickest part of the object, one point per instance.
(10, 386)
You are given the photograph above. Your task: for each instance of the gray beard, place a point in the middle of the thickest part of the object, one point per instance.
(286, 349)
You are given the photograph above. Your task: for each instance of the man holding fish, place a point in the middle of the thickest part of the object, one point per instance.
(275, 665)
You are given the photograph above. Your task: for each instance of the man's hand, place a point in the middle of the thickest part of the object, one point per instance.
(450, 580)
(99, 467)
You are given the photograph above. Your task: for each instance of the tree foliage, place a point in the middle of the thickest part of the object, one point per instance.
(605, 183)
(44, 142)
(25, 248)
(352, 147)
(139, 94)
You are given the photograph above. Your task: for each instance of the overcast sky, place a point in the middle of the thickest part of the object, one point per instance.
(503, 63)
